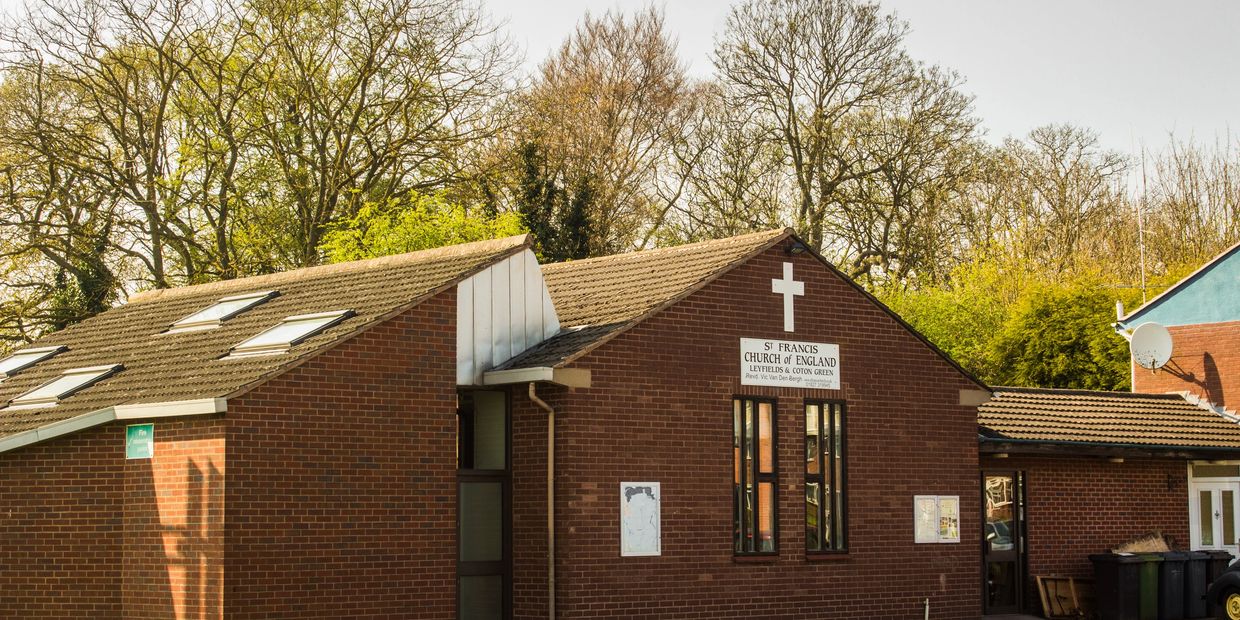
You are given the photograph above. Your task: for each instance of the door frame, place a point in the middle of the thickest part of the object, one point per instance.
(1216, 488)
(1018, 535)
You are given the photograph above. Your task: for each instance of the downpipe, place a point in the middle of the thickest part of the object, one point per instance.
(551, 500)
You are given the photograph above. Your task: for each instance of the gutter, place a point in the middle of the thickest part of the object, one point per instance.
(1105, 444)
(550, 499)
(175, 409)
(567, 377)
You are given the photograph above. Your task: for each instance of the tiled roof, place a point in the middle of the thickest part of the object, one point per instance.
(187, 365)
(1113, 418)
(598, 298)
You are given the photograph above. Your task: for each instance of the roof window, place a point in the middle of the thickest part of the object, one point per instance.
(72, 381)
(22, 360)
(289, 332)
(224, 308)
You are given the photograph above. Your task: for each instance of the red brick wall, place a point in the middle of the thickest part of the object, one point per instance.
(342, 498)
(1205, 361)
(660, 410)
(174, 523)
(85, 533)
(529, 499)
(1076, 506)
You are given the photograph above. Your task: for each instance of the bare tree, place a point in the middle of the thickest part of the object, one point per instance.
(231, 135)
(809, 68)
(726, 174)
(897, 222)
(1061, 186)
(123, 60)
(1192, 202)
(605, 109)
(56, 228)
(366, 100)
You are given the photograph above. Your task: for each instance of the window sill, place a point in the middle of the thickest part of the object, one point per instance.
(826, 556)
(756, 559)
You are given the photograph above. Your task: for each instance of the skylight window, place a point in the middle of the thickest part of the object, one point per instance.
(225, 308)
(72, 381)
(22, 360)
(289, 332)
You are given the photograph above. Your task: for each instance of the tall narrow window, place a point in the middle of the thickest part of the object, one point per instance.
(824, 477)
(484, 507)
(754, 476)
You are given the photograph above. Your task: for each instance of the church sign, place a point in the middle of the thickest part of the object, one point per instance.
(787, 363)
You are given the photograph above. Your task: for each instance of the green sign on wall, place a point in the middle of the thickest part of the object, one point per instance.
(139, 441)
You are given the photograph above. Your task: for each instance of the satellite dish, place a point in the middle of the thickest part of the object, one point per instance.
(1150, 345)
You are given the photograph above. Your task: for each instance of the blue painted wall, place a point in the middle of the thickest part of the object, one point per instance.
(1212, 295)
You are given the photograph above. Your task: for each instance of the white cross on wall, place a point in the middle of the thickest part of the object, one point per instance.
(789, 288)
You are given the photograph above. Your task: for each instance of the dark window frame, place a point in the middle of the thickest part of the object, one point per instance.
(827, 431)
(742, 447)
(465, 475)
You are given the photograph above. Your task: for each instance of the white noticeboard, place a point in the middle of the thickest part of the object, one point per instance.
(640, 514)
(787, 363)
(936, 518)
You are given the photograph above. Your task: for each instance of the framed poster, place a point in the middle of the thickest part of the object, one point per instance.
(640, 519)
(925, 518)
(949, 518)
(936, 518)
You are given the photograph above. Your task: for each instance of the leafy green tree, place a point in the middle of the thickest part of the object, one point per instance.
(576, 229)
(961, 317)
(1012, 325)
(539, 195)
(417, 223)
(1059, 336)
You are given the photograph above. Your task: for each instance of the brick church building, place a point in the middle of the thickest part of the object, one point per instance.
(724, 429)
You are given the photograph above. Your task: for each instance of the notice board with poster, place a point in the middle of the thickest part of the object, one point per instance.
(640, 519)
(936, 518)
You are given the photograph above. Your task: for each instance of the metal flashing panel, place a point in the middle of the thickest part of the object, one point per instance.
(501, 312)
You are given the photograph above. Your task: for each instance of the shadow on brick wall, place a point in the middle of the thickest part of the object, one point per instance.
(174, 543)
(1212, 383)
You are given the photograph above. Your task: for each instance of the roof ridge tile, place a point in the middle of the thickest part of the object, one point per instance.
(429, 255)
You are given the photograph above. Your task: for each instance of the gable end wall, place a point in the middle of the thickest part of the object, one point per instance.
(660, 410)
(342, 501)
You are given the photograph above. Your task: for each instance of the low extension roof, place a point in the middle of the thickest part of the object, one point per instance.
(597, 299)
(176, 367)
(1158, 422)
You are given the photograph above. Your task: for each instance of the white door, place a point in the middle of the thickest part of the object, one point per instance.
(1213, 510)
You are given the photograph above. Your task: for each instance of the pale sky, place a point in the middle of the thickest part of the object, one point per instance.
(1132, 70)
